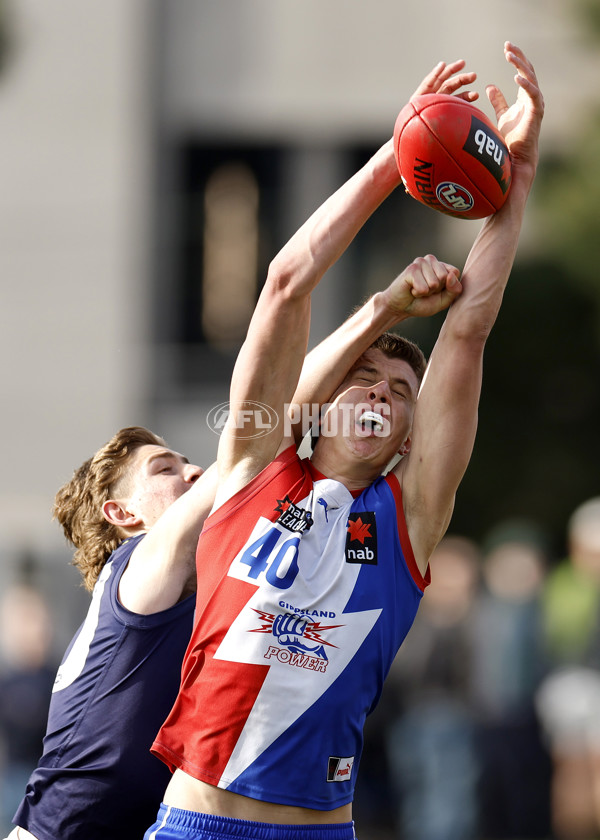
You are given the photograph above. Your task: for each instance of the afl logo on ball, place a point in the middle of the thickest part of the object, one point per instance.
(454, 197)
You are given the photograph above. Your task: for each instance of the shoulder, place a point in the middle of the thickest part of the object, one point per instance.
(118, 561)
(117, 565)
(283, 470)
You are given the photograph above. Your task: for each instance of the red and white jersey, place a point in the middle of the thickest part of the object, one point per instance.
(305, 594)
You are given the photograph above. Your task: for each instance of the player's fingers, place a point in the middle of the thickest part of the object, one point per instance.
(532, 89)
(431, 275)
(468, 95)
(526, 76)
(450, 84)
(453, 284)
(446, 273)
(515, 56)
(445, 276)
(449, 268)
(430, 83)
(440, 76)
(450, 69)
(497, 100)
(417, 276)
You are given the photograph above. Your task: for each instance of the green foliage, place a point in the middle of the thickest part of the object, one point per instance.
(5, 35)
(538, 449)
(589, 13)
(568, 195)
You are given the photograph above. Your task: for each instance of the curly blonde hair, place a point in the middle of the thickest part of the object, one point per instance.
(78, 504)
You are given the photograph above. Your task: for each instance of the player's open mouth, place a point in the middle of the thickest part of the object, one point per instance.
(370, 421)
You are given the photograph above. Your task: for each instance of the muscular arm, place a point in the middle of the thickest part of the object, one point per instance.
(416, 292)
(269, 364)
(162, 568)
(445, 419)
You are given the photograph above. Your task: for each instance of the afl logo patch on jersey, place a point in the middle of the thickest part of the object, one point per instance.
(361, 538)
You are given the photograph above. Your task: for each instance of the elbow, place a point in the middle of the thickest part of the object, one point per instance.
(473, 324)
(280, 277)
(473, 335)
(287, 280)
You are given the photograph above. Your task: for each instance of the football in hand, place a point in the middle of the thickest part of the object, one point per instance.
(451, 157)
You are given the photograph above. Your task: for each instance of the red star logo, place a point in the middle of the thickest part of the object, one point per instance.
(359, 530)
(283, 505)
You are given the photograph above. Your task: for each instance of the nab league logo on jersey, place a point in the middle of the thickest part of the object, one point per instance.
(292, 517)
(361, 538)
(299, 639)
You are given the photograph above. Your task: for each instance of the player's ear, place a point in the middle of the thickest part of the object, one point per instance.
(117, 514)
(405, 448)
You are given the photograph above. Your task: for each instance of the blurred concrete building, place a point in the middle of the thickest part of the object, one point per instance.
(154, 155)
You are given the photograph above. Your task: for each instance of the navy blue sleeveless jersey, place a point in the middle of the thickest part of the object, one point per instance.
(96, 779)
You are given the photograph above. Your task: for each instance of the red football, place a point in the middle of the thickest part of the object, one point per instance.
(451, 157)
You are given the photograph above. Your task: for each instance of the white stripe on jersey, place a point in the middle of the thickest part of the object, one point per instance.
(74, 664)
(326, 580)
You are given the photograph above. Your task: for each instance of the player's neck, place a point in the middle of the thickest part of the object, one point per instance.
(355, 476)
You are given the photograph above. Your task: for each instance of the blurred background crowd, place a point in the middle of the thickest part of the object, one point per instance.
(489, 723)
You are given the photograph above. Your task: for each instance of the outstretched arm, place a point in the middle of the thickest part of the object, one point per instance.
(445, 419)
(424, 288)
(162, 568)
(269, 364)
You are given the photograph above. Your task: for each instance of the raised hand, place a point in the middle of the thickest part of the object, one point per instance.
(447, 78)
(425, 287)
(520, 123)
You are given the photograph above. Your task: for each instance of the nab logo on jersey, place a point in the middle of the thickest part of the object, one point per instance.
(361, 538)
(339, 769)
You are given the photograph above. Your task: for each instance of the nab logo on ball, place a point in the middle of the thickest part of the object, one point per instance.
(454, 197)
(451, 157)
(490, 151)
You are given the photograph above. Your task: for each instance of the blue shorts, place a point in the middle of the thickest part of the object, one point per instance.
(176, 824)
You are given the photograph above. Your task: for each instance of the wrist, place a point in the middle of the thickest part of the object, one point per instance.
(523, 175)
(386, 311)
(385, 167)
